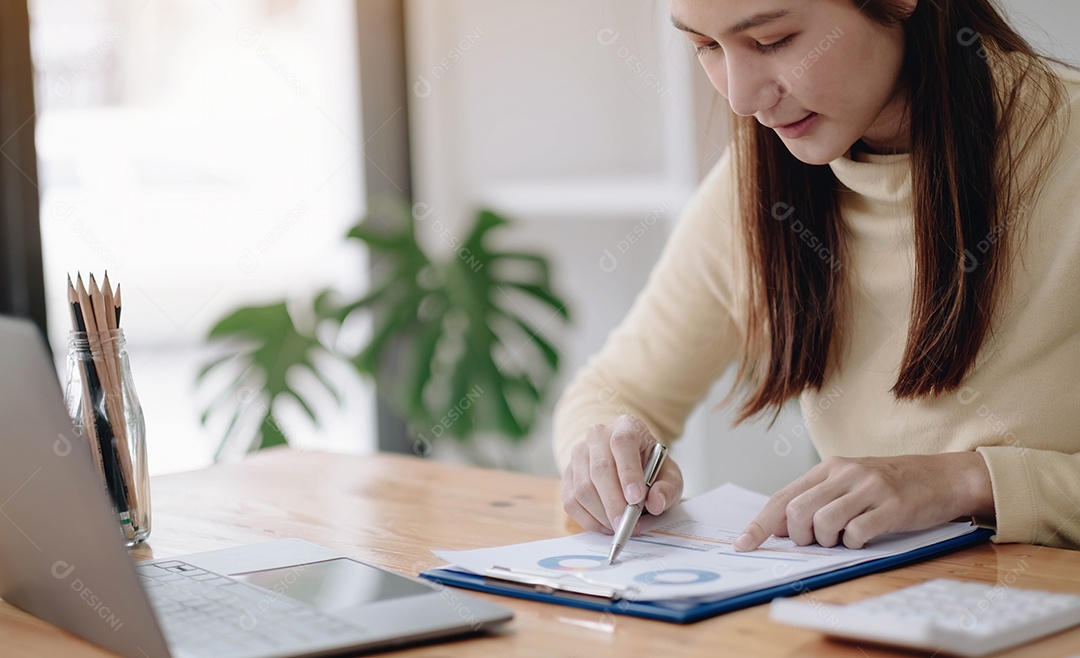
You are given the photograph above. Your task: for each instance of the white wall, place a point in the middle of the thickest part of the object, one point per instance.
(1052, 25)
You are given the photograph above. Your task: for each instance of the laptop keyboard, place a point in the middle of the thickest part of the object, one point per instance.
(203, 613)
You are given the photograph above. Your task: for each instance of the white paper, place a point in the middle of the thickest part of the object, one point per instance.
(687, 552)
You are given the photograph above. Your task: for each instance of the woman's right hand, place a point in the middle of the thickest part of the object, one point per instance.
(607, 472)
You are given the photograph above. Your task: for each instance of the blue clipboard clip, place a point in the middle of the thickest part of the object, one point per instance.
(548, 584)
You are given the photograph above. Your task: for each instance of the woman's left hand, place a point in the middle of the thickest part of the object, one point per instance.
(853, 500)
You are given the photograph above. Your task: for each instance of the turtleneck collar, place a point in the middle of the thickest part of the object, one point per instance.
(882, 178)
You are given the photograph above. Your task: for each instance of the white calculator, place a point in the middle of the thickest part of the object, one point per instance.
(948, 616)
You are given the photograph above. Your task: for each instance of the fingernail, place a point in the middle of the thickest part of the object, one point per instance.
(663, 501)
(633, 493)
(744, 542)
(616, 521)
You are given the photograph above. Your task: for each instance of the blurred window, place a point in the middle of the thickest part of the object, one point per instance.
(206, 154)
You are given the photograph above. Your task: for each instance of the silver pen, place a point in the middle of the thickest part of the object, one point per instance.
(633, 512)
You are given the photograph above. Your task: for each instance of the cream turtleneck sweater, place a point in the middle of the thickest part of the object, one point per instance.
(1019, 407)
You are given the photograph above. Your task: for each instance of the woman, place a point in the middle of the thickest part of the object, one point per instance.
(896, 227)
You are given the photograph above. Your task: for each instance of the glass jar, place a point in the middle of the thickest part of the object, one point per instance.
(103, 404)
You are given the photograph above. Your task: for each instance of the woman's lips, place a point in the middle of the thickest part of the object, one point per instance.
(799, 128)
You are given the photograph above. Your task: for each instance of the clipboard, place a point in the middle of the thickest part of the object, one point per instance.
(517, 584)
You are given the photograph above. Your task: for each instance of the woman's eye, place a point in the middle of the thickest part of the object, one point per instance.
(767, 48)
(706, 48)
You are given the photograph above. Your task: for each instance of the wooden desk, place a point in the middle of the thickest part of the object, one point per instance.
(392, 510)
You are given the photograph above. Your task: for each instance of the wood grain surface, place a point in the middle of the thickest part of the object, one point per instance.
(393, 510)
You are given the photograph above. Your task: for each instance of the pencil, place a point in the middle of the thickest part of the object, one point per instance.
(110, 303)
(106, 318)
(117, 373)
(106, 369)
(109, 377)
(89, 430)
(119, 305)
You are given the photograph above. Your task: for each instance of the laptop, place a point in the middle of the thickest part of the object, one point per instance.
(62, 558)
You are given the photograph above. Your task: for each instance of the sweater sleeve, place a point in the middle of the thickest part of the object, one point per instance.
(1036, 495)
(679, 336)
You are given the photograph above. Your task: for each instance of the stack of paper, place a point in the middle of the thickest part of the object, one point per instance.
(687, 553)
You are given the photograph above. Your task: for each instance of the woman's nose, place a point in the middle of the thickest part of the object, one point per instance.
(751, 87)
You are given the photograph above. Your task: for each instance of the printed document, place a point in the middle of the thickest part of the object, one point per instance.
(686, 553)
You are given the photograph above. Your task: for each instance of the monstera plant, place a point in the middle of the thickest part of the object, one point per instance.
(451, 348)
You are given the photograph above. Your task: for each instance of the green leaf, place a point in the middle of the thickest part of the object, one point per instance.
(272, 347)
(307, 408)
(341, 313)
(462, 383)
(271, 433)
(237, 413)
(427, 341)
(375, 239)
(330, 386)
(543, 268)
(395, 321)
(213, 364)
(485, 221)
(541, 293)
(222, 397)
(551, 355)
(507, 421)
(525, 384)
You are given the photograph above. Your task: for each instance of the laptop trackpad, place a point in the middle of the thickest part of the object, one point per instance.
(336, 586)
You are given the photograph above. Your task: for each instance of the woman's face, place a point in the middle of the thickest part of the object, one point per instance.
(818, 72)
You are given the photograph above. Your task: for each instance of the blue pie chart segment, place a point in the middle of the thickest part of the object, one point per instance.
(676, 577)
(573, 562)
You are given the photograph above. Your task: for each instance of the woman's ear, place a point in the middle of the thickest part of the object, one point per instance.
(908, 7)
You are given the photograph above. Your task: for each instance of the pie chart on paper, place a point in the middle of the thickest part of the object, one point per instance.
(573, 563)
(677, 577)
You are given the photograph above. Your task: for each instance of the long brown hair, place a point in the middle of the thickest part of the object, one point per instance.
(979, 99)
